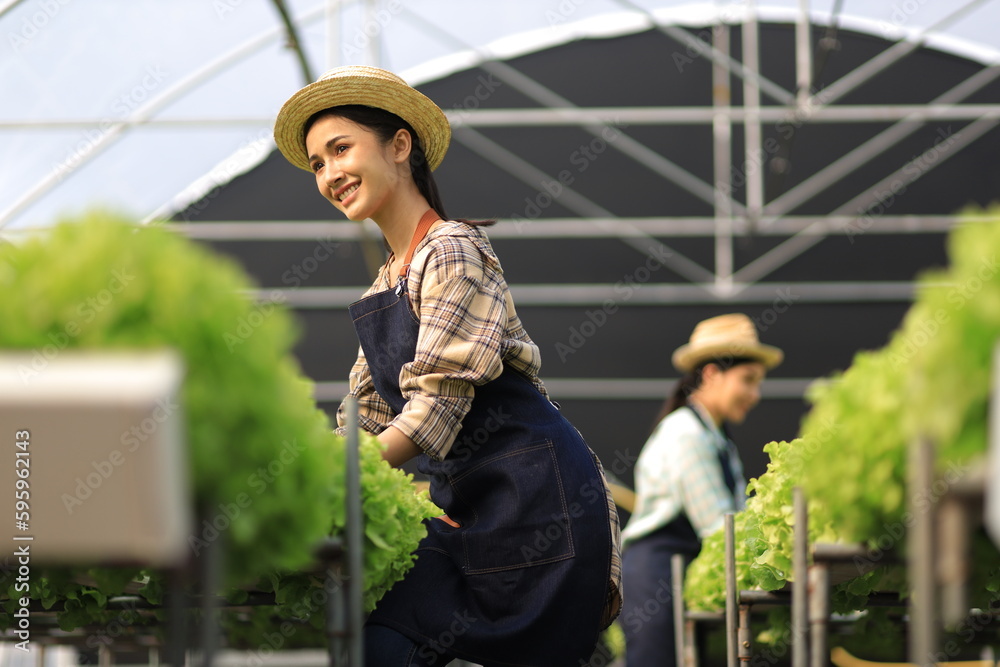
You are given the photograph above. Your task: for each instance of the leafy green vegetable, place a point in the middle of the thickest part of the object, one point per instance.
(705, 580)
(266, 469)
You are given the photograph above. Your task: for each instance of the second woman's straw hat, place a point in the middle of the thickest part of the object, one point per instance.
(368, 86)
(726, 336)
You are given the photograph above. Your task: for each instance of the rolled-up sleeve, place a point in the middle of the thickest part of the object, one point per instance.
(460, 302)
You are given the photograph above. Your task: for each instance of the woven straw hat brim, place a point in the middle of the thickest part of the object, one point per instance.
(367, 86)
(688, 356)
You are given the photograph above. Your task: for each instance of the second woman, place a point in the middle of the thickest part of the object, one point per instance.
(688, 475)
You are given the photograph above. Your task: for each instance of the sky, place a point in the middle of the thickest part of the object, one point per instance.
(211, 75)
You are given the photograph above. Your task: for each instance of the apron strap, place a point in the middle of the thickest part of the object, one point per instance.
(428, 219)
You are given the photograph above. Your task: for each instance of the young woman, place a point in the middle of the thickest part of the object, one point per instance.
(688, 475)
(523, 569)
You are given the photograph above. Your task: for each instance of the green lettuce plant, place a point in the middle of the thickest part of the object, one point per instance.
(256, 439)
(932, 379)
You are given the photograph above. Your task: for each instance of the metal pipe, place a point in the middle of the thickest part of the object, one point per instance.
(677, 590)
(752, 134)
(691, 644)
(555, 228)
(953, 529)
(647, 294)
(693, 115)
(611, 389)
(211, 563)
(800, 584)
(732, 595)
(722, 133)
(744, 640)
(177, 603)
(803, 56)
(336, 616)
(354, 530)
(921, 553)
(819, 613)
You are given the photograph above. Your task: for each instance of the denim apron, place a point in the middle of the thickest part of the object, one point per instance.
(524, 579)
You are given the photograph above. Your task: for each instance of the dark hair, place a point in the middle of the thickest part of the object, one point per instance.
(385, 125)
(691, 380)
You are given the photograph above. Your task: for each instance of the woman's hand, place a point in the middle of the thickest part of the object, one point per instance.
(398, 447)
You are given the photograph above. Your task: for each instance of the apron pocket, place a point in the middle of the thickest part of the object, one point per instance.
(516, 513)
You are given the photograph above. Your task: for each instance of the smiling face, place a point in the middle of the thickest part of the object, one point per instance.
(356, 171)
(730, 394)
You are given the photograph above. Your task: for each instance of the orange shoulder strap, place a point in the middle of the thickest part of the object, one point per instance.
(428, 219)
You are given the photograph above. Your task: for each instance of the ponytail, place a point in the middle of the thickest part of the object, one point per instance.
(682, 390)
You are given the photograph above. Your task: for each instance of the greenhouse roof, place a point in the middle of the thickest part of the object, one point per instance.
(144, 106)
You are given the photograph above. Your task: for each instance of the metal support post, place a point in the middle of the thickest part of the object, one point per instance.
(177, 630)
(722, 160)
(819, 613)
(752, 135)
(732, 594)
(744, 643)
(803, 56)
(690, 643)
(336, 617)
(953, 544)
(211, 577)
(353, 529)
(921, 555)
(677, 590)
(343, 558)
(800, 583)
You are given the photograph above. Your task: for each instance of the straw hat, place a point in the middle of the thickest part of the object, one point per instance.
(724, 336)
(368, 86)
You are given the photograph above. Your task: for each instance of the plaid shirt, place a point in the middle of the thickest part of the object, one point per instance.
(468, 330)
(678, 471)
